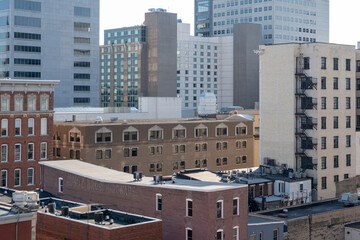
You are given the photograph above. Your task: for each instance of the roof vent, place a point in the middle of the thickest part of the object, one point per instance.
(99, 119)
(137, 176)
(65, 211)
(98, 217)
(157, 179)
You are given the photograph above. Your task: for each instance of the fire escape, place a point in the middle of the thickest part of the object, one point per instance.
(304, 123)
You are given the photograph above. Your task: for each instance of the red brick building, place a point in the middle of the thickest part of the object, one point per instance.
(26, 120)
(188, 209)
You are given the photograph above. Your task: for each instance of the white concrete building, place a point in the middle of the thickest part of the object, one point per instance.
(308, 112)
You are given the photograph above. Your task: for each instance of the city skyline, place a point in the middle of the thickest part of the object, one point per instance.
(113, 15)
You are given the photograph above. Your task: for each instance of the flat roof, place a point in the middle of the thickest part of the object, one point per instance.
(107, 175)
(306, 209)
(151, 121)
(353, 225)
(27, 81)
(260, 220)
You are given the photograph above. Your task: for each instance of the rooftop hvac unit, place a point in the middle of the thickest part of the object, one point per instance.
(157, 179)
(137, 176)
(99, 119)
(114, 119)
(271, 162)
(51, 207)
(98, 217)
(65, 211)
(25, 199)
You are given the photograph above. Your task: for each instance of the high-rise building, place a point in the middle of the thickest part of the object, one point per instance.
(307, 108)
(53, 40)
(139, 61)
(282, 21)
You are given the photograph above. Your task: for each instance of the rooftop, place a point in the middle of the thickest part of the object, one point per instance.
(238, 118)
(103, 174)
(306, 209)
(7, 81)
(256, 220)
(86, 214)
(353, 225)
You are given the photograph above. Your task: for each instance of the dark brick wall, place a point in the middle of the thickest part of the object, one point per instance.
(8, 231)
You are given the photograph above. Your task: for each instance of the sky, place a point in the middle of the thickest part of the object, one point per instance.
(344, 16)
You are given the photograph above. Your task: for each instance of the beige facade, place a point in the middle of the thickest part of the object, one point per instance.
(160, 146)
(308, 111)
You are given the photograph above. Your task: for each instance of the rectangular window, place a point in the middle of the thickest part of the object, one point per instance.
(3, 178)
(323, 102)
(43, 150)
(158, 202)
(82, 11)
(4, 127)
(155, 134)
(44, 104)
(5, 104)
(348, 140)
(276, 234)
(323, 162)
(221, 131)
(30, 176)
(31, 36)
(4, 153)
(131, 136)
(241, 130)
(323, 83)
(336, 161)
(348, 64)
(189, 234)
(323, 122)
(17, 152)
(323, 63)
(336, 141)
(108, 154)
(323, 183)
(348, 84)
(17, 177)
(99, 154)
(31, 104)
(189, 208)
(348, 103)
(27, 21)
(30, 151)
(235, 233)
(323, 142)
(18, 104)
(81, 27)
(336, 102)
(43, 126)
(200, 132)
(335, 83)
(346, 176)
(236, 206)
(61, 185)
(348, 160)
(336, 122)
(336, 178)
(336, 64)
(18, 127)
(219, 209)
(348, 121)
(30, 126)
(179, 133)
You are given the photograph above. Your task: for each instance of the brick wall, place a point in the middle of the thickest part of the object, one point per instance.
(8, 231)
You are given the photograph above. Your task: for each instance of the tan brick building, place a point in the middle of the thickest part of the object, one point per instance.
(160, 146)
(26, 119)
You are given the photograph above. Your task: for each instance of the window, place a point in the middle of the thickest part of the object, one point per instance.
(236, 206)
(130, 135)
(30, 151)
(323, 102)
(276, 234)
(4, 153)
(348, 83)
(261, 190)
(219, 234)
(61, 185)
(43, 150)
(82, 11)
(31, 105)
(155, 150)
(107, 154)
(4, 127)
(348, 140)
(241, 130)
(235, 233)
(335, 83)
(27, 21)
(348, 64)
(5, 103)
(336, 102)
(18, 127)
(155, 134)
(323, 83)
(348, 103)
(336, 178)
(221, 131)
(323, 183)
(30, 126)
(336, 64)
(270, 188)
(348, 121)
(189, 208)
(346, 176)
(81, 27)
(348, 160)
(17, 177)
(201, 131)
(18, 103)
(336, 141)
(189, 234)
(323, 162)
(323, 122)
(3, 178)
(30, 176)
(130, 152)
(323, 142)
(44, 103)
(219, 209)
(99, 154)
(179, 133)
(158, 202)
(43, 126)
(336, 122)
(323, 63)
(17, 152)
(336, 161)
(103, 135)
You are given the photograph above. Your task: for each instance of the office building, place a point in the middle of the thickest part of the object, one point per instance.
(139, 61)
(308, 112)
(282, 21)
(53, 40)
(188, 209)
(160, 146)
(26, 130)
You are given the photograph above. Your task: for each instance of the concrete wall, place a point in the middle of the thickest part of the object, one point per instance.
(247, 38)
(352, 233)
